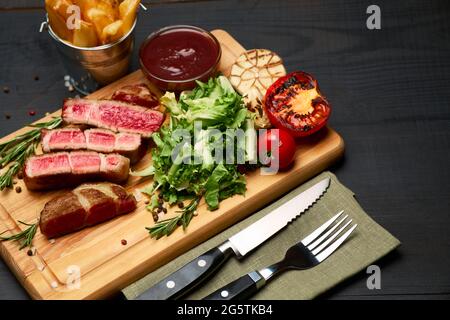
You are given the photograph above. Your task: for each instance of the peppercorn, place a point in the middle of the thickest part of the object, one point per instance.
(164, 210)
(146, 201)
(155, 217)
(18, 189)
(6, 89)
(180, 205)
(29, 252)
(20, 175)
(160, 195)
(123, 242)
(7, 116)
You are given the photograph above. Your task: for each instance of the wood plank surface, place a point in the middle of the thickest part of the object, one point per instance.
(103, 263)
(389, 88)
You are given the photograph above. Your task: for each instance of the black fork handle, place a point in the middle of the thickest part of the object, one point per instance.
(240, 289)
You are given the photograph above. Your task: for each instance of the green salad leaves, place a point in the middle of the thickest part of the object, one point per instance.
(197, 153)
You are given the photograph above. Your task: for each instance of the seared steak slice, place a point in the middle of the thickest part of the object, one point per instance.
(87, 205)
(138, 94)
(64, 169)
(113, 115)
(129, 145)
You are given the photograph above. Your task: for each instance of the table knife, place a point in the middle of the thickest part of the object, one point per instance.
(198, 270)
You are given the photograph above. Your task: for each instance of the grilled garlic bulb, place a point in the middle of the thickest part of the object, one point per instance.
(251, 75)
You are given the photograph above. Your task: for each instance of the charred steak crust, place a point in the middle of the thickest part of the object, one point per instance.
(87, 205)
(113, 115)
(129, 145)
(64, 169)
(138, 94)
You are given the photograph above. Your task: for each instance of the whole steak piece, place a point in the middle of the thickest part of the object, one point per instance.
(87, 205)
(65, 169)
(129, 145)
(113, 115)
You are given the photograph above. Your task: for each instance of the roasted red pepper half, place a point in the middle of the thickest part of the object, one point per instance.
(294, 103)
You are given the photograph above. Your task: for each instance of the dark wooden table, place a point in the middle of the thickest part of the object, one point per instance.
(390, 90)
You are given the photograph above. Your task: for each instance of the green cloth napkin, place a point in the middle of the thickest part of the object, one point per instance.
(368, 243)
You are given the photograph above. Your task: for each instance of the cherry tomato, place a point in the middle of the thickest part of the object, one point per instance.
(285, 143)
(294, 103)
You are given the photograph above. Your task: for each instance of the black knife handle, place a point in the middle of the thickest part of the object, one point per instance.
(240, 289)
(190, 275)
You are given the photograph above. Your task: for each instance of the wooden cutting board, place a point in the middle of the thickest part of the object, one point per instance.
(94, 263)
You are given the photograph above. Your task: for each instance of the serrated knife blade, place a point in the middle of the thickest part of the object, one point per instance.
(258, 232)
(201, 268)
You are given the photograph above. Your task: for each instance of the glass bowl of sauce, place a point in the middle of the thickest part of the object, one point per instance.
(174, 57)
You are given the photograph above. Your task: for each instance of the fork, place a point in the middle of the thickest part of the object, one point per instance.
(308, 253)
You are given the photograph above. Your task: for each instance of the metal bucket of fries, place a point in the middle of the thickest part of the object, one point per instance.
(95, 52)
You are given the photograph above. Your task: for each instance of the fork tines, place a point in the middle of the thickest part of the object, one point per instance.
(322, 242)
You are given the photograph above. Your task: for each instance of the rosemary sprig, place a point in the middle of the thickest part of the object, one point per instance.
(15, 151)
(26, 236)
(167, 226)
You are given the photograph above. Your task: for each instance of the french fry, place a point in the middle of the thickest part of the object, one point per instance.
(57, 21)
(108, 7)
(85, 36)
(127, 11)
(112, 32)
(61, 7)
(100, 19)
(111, 7)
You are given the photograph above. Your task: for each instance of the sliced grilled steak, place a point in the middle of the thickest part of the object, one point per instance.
(113, 115)
(139, 94)
(129, 145)
(64, 169)
(87, 205)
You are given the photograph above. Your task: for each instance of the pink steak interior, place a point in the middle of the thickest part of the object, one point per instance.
(101, 140)
(127, 141)
(80, 111)
(126, 118)
(59, 139)
(49, 164)
(85, 162)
